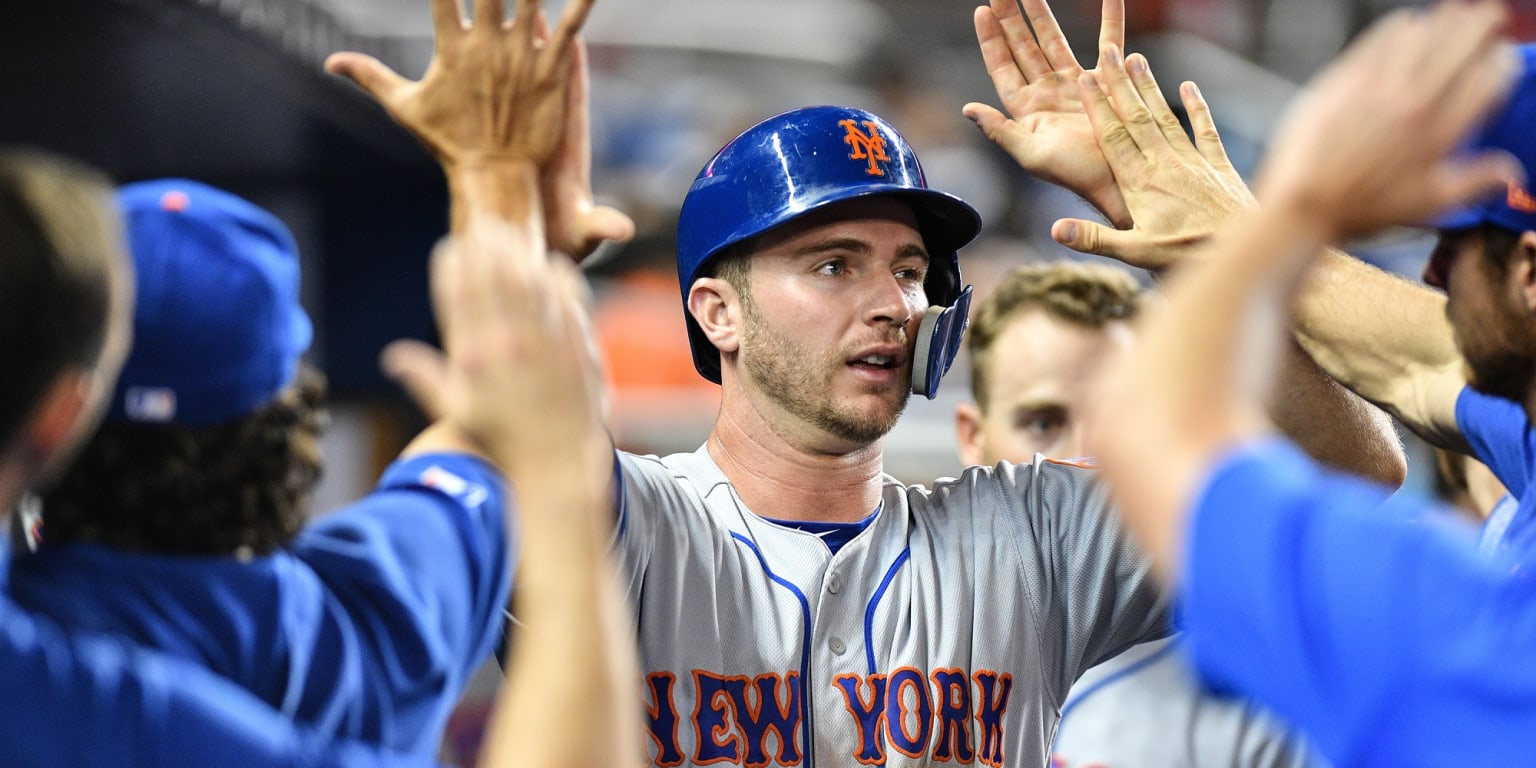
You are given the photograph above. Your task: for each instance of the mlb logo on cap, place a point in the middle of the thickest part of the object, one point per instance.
(218, 328)
(150, 404)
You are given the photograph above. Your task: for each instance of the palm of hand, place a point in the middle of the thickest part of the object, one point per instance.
(1058, 143)
(462, 108)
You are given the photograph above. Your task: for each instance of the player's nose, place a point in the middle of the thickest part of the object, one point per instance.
(888, 300)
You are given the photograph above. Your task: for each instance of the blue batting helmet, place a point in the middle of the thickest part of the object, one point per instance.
(801, 161)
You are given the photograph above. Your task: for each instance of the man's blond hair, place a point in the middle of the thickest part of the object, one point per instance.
(1082, 293)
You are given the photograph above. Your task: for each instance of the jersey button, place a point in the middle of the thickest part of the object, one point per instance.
(835, 584)
(837, 646)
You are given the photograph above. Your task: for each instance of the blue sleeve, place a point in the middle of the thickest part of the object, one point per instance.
(1501, 437)
(422, 569)
(1389, 643)
(92, 701)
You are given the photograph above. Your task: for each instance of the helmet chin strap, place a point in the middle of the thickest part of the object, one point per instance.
(938, 341)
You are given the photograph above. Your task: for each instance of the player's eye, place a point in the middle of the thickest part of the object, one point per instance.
(834, 268)
(1041, 425)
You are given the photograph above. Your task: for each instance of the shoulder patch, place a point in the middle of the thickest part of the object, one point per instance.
(471, 494)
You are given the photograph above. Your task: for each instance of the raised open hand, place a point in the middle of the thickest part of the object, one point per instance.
(1046, 129)
(573, 223)
(1178, 192)
(493, 91)
(1371, 141)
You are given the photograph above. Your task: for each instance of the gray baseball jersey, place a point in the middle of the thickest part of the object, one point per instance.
(950, 629)
(1144, 709)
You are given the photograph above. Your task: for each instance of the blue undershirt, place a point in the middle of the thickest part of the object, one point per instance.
(834, 535)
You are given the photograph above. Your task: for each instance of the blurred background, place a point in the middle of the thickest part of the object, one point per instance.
(231, 92)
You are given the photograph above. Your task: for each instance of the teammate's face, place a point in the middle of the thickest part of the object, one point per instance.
(828, 332)
(1037, 389)
(1486, 314)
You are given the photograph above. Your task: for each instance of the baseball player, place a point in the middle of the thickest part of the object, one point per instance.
(84, 700)
(367, 623)
(796, 606)
(80, 700)
(1388, 643)
(179, 525)
(1037, 345)
(515, 322)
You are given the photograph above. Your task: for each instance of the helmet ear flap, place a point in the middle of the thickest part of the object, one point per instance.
(938, 343)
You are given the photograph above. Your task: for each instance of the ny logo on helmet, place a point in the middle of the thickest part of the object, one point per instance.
(866, 146)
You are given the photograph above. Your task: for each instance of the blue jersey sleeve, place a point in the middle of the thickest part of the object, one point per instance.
(1388, 642)
(1501, 437)
(92, 701)
(422, 569)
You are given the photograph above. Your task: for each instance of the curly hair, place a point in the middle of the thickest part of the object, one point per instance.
(1082, 293)
(238, 488)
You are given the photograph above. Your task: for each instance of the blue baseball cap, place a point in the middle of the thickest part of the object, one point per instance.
(1513, 130)
(218, 329)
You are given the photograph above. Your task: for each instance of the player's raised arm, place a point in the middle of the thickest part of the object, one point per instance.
(521, 379)
(1367, 150)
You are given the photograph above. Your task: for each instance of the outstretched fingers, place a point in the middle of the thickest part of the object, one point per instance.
(1460, 180)
(1092, 237)
(525, 26)
(1008, 75)
(1112, 24)
(1207, 138)
(447, 19)
(1463, 33)
(1115, 140)
(1488, 79)
(1157, 106)
(374, 77)
(421, 370)
(1022, 48)
(571, 21)
(1128, 103)
(1053, 42)
(489, 15)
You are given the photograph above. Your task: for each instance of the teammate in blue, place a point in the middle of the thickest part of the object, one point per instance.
(65, 308)
(795, 605)
(1389, 643)
(83, 700)
(181, 525)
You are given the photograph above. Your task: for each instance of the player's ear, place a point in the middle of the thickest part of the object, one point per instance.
(968, 435)
(716, 307)
(60, 419)
(1522, 269)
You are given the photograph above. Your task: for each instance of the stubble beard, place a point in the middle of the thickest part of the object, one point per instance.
(1500, 360)
(800, 381)
(1508, 373)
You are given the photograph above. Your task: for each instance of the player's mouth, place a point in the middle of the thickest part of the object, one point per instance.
(880, 363)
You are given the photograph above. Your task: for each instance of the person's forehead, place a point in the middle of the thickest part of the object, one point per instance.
(1037, 349)
(876, 209)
